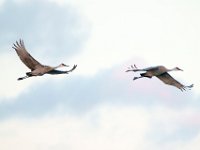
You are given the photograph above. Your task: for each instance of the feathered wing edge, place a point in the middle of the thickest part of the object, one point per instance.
(134, 68)
(54, 72)
(168, 79)
(25, 57)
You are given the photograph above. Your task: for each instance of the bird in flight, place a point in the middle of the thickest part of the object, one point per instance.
(161, 73)
(37, 69)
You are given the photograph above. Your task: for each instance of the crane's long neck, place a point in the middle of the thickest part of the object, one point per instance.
(168, 70)
(57, 67)
(173, 69)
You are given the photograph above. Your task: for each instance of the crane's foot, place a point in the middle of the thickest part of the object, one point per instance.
(135, 78)
(20, 79)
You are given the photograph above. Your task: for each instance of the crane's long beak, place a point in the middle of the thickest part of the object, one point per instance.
(181, 69)
(178, 69)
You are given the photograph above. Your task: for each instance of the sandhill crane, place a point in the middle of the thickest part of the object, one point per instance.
(161, 73)
(37, 69)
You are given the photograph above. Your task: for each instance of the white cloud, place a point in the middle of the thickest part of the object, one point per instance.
(194, 144)
(105, 127)
(1, 2)
(11, 71)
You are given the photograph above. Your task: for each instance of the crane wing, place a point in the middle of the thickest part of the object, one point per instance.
(54, 72)
(168, 79)
(25, 57)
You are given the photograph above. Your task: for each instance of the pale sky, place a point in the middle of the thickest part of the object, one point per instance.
(98, 106)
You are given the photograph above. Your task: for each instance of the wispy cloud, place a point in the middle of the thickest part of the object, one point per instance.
(57, 30)
(105, 127)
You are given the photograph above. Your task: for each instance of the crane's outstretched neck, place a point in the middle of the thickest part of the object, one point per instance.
(61, 65)
(174, 69)
(57, 67)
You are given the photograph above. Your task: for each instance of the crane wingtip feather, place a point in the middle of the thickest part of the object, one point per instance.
(191, 86)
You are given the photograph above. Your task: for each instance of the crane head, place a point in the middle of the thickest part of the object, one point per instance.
(178, 69)
(63, 65)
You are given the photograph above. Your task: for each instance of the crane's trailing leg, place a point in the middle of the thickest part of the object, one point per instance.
(135, 78)
(22, 78)
(28, 74)
(142, 76)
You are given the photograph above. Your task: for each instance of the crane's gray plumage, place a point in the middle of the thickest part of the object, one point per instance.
(37, 69)
(161, 73)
